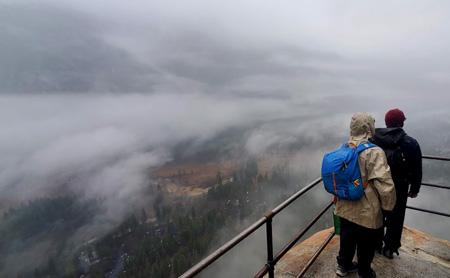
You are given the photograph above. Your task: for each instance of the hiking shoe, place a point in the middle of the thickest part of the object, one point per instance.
(342, 271)
(389, 253)
(373, 275)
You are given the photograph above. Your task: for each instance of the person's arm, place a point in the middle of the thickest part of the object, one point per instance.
(379, 172)
(415, 169)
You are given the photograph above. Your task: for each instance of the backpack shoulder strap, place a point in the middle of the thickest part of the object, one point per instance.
(364, 146)
(361, 148)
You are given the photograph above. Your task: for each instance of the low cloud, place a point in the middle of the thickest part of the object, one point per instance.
(94, 93)
(32, 256)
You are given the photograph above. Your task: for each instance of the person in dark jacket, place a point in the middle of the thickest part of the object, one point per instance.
(405, 160)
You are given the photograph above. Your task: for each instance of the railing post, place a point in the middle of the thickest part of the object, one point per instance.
(270, 262)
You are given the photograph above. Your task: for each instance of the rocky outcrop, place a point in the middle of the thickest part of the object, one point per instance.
(420, 256)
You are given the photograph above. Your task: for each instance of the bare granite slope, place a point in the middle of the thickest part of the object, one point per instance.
(420, 256)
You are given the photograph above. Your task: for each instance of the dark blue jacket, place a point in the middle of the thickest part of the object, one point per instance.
(390, 138)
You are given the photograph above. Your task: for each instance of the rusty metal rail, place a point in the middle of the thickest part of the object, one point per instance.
(270, 265)
(233, 242)
(314, 257)
(435, 185)
(222, 250)
(429, 211)
(267, 219)
(435, 157)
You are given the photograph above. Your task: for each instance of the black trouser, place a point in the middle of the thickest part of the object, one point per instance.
(359, 238)
(394, 228)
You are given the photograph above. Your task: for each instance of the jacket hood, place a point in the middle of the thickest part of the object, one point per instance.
(362, 128)
(388, 137)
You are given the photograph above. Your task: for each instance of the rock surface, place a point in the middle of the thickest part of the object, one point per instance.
(420, 256)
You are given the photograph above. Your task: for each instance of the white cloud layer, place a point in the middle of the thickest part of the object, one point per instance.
(153, 74)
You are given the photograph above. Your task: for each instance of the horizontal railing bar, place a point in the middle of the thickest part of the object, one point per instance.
(313, 259)
(435, 185)
(302, 233)
(283, 251)
(295, 196)
(436, 157)
(263, 271)
(222, 250)
(429, 211)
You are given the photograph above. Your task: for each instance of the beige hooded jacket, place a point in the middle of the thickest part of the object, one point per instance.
(380, 192)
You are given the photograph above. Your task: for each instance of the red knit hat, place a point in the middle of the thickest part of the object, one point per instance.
(394, 117)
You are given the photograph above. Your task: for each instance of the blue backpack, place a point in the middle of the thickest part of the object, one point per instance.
(340, 172)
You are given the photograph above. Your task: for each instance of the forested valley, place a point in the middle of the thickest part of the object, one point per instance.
(179, 234)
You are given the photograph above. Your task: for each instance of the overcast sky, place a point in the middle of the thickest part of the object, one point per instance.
(93, 92)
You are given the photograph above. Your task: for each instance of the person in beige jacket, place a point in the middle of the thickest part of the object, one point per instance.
(360, 219)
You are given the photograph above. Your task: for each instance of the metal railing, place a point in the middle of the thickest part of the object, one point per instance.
(266, 219)
(272, 260)
(432, 185)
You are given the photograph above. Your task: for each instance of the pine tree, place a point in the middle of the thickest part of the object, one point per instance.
(219, 178)
(143, 216)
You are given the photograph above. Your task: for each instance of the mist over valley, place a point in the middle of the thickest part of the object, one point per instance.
(141, 135)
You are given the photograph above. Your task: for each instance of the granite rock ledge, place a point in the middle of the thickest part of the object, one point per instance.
(420, 256)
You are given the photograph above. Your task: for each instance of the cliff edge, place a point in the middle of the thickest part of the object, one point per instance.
(420, 256)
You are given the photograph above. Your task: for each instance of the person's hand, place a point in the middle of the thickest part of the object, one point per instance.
(387, 217)
(413, 195)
